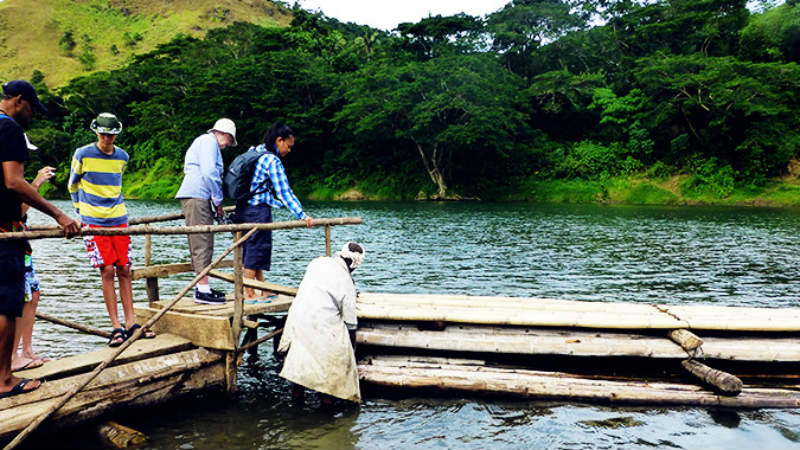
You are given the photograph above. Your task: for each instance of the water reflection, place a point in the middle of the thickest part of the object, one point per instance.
(727, 256)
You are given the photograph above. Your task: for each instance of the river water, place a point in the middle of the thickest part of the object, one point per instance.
(676, 255)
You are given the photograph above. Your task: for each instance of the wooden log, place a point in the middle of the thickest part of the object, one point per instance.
(327, 240)
(147, 229)
(231, 372)
(250, 336)
(163, 270)
(256, 284)
(151, 288)
(148, 244)
(556, 385)
(238, 291)
(719, 380)
(686, 339)
(120, 436)
(77, 326)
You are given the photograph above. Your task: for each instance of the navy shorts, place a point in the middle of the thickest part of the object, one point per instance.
(12, 278)
(257, 251)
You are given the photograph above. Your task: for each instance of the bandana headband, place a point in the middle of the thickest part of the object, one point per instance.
(356, 258)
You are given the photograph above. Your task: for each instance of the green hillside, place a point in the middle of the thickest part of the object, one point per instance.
(67, 38)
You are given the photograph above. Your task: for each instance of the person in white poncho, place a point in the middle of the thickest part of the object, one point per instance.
(319, 335)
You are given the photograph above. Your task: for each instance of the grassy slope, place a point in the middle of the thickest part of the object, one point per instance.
(29, 34)
(640, 190)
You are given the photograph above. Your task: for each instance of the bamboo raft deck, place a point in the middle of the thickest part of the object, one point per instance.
(620, 353)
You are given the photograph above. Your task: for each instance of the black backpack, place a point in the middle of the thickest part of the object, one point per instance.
(239, 177)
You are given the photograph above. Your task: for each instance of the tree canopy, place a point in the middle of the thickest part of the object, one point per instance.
(464, 105)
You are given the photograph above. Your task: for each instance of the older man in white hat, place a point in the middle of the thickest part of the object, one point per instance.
(319, 335)
(202, 181)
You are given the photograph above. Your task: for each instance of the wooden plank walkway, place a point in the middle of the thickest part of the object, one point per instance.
(149, 372)
(264, 306)
(85, 362)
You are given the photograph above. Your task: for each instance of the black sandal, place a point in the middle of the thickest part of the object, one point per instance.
(117, 337)
(147, 334)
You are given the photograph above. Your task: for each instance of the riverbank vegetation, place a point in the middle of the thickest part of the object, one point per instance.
(658, 102)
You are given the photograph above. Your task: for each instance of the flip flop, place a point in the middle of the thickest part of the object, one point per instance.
(147, 334)
(117, 337)
(20, 388)
(32, 364)
(262, 299)
(44, 359)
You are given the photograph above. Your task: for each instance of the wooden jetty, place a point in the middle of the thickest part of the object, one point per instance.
(197, 347)
(619, 353)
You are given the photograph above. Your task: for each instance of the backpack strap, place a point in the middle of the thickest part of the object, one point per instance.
(265, 186)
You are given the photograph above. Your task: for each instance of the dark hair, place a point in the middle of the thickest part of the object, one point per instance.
(275, 131)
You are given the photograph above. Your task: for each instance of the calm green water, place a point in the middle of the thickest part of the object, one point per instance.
(727, 256)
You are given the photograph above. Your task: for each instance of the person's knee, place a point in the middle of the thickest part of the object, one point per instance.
(107, 272)
(124, 272)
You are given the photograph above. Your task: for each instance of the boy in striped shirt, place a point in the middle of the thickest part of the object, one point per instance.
(95, 185)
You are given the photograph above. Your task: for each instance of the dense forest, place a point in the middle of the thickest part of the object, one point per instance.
(555, 100)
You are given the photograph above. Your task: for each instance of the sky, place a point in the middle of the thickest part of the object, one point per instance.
(386, 14)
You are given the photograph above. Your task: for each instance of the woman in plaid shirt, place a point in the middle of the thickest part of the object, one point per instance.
(269, 179)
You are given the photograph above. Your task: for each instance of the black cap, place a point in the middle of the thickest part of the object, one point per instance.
(28, 92)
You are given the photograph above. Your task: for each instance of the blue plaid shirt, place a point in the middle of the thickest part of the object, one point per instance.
(271, 166)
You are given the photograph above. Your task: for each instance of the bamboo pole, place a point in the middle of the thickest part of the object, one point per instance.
(238, 309)
(147, 229)
(250, 282)
(260, 340)
(33, 425)
(134, 221)
(84, 328)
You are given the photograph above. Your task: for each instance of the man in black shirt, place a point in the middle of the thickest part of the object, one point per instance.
(16, 111)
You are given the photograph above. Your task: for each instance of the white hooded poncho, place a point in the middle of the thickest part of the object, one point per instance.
(320, 356)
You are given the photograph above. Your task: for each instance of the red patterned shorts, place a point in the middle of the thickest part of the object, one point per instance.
(108, 250)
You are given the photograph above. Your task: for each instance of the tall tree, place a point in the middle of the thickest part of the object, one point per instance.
(448, 110)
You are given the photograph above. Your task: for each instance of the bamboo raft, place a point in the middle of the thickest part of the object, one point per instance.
(621, 353)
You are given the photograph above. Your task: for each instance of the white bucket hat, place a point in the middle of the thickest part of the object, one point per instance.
(225, 126)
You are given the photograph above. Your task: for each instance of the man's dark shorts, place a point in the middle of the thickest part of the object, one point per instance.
(257, 253)
(12, 278)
